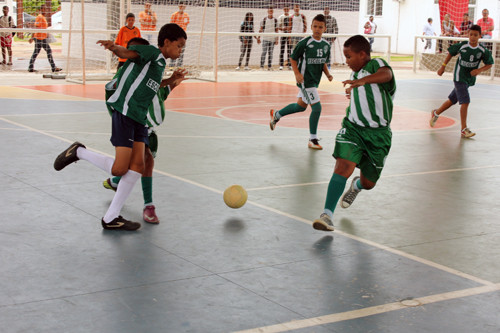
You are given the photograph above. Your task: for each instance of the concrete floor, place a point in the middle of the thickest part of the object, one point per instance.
(419, 253)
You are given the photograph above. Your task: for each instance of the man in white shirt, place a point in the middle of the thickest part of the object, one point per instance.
(299, 24)
(285, 26)
(268, 25)
(428, 31)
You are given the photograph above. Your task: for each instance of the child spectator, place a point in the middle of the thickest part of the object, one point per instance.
(268, 25)
(126, 33)
(6, 37)
(246, 41)
(40, 39)
(428, 31)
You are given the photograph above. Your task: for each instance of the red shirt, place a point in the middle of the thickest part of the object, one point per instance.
(485, 26)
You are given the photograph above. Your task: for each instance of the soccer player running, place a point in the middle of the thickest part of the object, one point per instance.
(309, 61)
(137, 85)
(364, 140)
(471, 53)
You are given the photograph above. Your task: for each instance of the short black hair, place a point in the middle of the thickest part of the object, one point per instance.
(429, 19)
(358, 44)
(137, 41)
(476, 27)
(129, 15)
(320, 18)
(172, 32)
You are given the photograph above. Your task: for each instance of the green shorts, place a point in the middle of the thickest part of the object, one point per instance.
(367, 147)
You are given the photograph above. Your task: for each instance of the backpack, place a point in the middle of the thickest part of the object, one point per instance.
(13, 26)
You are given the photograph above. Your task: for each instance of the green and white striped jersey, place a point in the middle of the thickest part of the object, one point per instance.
(138, 82)
(311, 55)
(371, 104)
(469, 58)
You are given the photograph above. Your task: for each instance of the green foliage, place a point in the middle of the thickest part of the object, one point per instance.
(30, 6)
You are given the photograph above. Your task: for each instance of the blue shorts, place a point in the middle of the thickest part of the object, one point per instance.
(460, 94)
(124, 131)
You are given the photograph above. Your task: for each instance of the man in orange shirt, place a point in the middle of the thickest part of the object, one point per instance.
(147, 18)
(180, 18)
(40, 39)
(126, 33)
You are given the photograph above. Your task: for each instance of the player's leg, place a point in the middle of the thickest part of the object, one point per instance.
(300, 106)
(452, 100)
(313, 97)
(148, 213)
(376, 145)
(348, 152)
(464, 101)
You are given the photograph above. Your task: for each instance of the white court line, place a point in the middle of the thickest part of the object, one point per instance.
(388, 176)
(374, 310)
(488, 286)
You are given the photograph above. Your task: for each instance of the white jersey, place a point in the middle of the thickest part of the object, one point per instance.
(297, 23)
(428, 30)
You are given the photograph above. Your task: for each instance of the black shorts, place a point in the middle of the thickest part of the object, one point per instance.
(460, 94)
(124, 131)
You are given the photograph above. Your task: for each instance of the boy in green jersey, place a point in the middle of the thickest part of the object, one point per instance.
(137, 85)
(310, 59)
(156, 115)
(470, 54)
(364, 140)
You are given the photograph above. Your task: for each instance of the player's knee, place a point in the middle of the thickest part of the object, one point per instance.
(118, 170)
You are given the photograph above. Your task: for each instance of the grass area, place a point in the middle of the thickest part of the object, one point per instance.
(398, 57)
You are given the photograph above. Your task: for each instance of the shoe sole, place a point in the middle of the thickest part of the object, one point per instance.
(315, 148)
(433, 121)
(155, 221)
(108, 186)
(320, 225)
(468, 137)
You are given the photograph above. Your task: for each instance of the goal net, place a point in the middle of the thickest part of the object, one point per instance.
(454, 18)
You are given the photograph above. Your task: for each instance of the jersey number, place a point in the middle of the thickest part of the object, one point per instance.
(319, 53)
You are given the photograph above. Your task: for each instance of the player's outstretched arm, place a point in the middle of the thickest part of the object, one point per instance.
(443, 66)
(175, 79)
(383, 74)
(118, 50)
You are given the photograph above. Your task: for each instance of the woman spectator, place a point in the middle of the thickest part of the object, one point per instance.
(246, 41)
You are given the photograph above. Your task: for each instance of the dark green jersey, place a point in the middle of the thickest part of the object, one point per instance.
(311, 55)
(469, 58)
(138, 82)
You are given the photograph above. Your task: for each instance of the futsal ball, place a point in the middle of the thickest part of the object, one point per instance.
(235, 196)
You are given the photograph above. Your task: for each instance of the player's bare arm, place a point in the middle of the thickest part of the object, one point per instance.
(327, 73)
(443, 66)
(477, 71)
(177, 77)
(382, 75)
(298, 75)
(118, 50)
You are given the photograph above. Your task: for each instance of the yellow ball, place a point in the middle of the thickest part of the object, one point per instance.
(235, 196)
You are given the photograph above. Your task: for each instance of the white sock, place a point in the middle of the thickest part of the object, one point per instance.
(328, 212)
(313, 136)
(125, 187)
(101, 161)
(277, 115)
(356, 187)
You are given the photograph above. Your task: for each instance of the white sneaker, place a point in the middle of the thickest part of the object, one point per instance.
(281, 68)
(349, 196)
(434, 118)
(324, 223)
(238, 68)
(247, 68)
(467, 133)
(314, 144)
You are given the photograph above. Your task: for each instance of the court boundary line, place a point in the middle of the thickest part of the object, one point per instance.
(487, 286)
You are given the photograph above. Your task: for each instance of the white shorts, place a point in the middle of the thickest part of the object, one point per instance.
(309, 95)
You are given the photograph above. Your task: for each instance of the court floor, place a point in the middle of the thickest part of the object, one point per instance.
(418, 253)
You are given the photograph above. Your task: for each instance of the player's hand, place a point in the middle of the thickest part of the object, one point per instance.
(108, 44)
(353, 83)
(440, 71)
(330, 77)
(299, 78)
(31, 40)
(475, 72)
(258, 40)
(348, 92)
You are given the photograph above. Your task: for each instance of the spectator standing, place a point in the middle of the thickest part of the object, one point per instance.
(40, 39)
(370, 29)
(487, 25)
(126, 33)
(180, 18)
(465, 25)
(147, 19)
(6, 37)
(331, 28)
(447, 29)
(299, 24)
(428, 31)
(268, 25)
(246, 41)
(285, 26)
